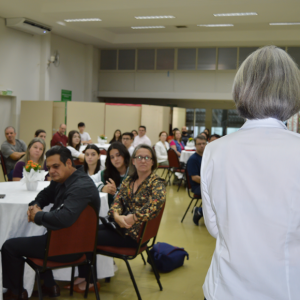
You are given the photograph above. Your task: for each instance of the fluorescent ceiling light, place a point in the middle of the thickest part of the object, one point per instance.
(236, 14)
(83, 20)
(147, 27)
(61, 23)
(155, 17)
(215, 25)
(284, 23)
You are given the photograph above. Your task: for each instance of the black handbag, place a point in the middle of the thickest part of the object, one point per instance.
(110, 223)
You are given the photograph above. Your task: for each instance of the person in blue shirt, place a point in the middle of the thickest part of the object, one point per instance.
(193, 167)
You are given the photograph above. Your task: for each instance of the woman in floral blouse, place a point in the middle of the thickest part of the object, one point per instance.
(144, 193)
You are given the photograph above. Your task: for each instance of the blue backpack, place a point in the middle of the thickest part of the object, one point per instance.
(167, 257)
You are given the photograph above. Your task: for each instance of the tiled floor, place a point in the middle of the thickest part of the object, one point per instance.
(183, 283)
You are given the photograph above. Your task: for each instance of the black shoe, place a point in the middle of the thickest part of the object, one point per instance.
(9, 295)
(197, 215)
(52, 292)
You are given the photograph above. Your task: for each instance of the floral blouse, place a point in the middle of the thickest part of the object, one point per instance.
(145, 203)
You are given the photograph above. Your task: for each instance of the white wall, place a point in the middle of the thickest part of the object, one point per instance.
(19, 67)
(207, 85)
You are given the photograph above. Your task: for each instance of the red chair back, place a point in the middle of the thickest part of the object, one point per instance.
(78, 238)
(173, 159)
(152, 227)
(103, 151)
(77, 162)
(3, 165)
(189, 186)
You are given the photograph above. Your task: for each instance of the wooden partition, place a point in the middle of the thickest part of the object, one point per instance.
(125, 117)
(59, 115)
(179, 117)
(90, 113)
(36, 115)
(156, 119)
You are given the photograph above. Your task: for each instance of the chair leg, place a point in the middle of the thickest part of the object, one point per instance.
(88, 283)
(187, 210)
(143, 259)
(132, 279)
(93, 269)
(154, 269)
(195, 205)
(72, 281)
(38, 281)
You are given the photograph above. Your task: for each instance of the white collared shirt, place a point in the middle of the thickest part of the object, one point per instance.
(141, 140)
(251, 204)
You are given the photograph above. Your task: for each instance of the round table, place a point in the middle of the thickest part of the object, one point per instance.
(13, 223)
(185, 155)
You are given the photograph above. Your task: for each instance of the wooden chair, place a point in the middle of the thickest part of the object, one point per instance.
(3, 167)
(162, 167)
(174, 166)
(148, 231)
(103, 151)
(77, 162)
(194, 197)
(79, 238)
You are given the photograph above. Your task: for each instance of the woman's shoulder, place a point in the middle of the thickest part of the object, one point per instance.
(156, 180)
(20, 164)
(172, 143)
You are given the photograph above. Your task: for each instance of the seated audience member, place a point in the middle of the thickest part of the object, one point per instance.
(116, 137)
(85, 137)
(135, 133)
(35, 152)
(144, 192)
(116, 170)
(170, 138)
(127, 140)
(184, 135)
(74, 143)
(59, 137)
(141, 138)
(177, 144)
(161, 149)
(70, 191)
(204, 134)
(207, 131)
(193, 167)
(214, 137)
(92, 160)
(40, 133)
(12, 150)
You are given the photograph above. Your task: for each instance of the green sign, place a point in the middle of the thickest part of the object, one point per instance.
(66, 95)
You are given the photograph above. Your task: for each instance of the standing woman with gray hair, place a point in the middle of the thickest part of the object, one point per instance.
(251, 190)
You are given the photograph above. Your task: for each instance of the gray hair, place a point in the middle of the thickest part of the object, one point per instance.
(26, 157)
(267, 85)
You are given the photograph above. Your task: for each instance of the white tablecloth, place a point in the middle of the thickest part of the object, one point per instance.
(105, 146)
(13, 223)
(185, 155)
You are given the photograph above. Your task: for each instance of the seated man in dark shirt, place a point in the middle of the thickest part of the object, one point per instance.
(193, 167)
(70, 191)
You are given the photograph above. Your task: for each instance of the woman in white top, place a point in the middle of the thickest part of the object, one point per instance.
(161, 149)
(74, 142)
(251, 189)
(92, 161)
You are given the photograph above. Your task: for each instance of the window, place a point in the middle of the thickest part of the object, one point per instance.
(146, 58)
(165, 59)
(108, 60)
(195, 121)
(225, 121)
(206, 59)
(126, 60)
(294, 52)
(186, 59)
(245, 52)
(227, 58)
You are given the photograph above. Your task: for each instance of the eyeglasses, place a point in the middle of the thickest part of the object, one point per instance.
(140, 158)
(126, 139)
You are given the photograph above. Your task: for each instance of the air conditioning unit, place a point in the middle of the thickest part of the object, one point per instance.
(27, 25)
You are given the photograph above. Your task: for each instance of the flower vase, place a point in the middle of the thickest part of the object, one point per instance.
(31, 185)
(101, 142)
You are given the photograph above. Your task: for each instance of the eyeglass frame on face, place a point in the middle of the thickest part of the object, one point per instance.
(140, 158)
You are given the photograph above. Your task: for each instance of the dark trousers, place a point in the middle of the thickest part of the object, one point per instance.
(109, 237)
(10, 174)
(12, 253)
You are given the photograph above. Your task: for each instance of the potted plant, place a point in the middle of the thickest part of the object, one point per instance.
(32, 173)
(102, 139)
